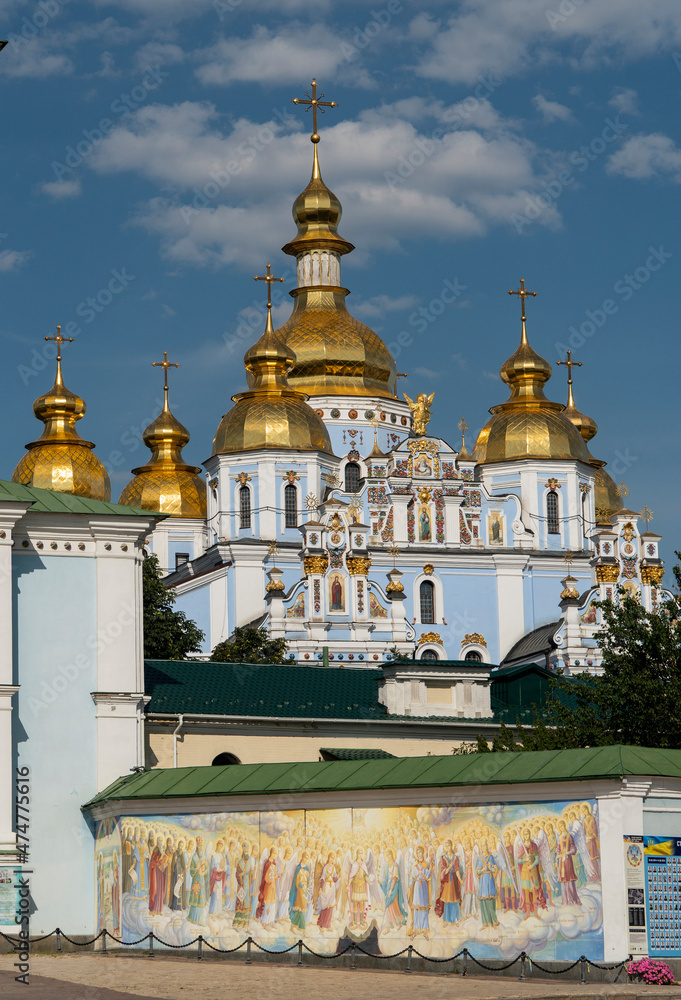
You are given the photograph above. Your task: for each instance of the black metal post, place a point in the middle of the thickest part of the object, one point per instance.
(151, 944)
(352, 957)
(522, 966)
(58, 932)
(408, 969)
(464, 971)
(300, 951)
(200, 953)
(104, 941)
(248, 951)
(582, 968)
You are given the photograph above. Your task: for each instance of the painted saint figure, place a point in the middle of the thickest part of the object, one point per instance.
(419, 898)
(245, 874)
(359, 890)
(450, 885)
(158, 864)
(396, 911)
(266, 911)
(298, 894)
(217, 876)
(328, 890)
(590, 827)
(486, 869)
(565, 865)
(529, 866)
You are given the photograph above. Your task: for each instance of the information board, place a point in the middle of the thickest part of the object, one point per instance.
(9, 896)
(662, 857)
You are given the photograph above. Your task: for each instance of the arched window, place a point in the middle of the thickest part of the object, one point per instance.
(427, 601)
(223, 759)
(352, 471)
(290, 506)
(245, 506)
(552, 513)
(429, 654)
(473, 654)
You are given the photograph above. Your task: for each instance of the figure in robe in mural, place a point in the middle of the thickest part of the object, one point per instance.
(419, 898)
(170, 861)
(266, 910)
(532, 896)
(127, 848)
(358, 890)
(565, 866)
(590, 827)
(424, 525)
(336, 595)
(286, 866)
(255, 879)
(217, 875)
(245, 889)
(396, 911)
(139, 876)
(101, 895)
(328, 890)
(486, 869)
(466, 857)
(177, 876)
(509, 896)
(198, 902)
(298, 895)
(115, 896)
(158, 864)
(450, 885)
(231, 858)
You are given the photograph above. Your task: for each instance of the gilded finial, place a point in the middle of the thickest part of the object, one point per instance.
(268, 277)
(393, 550)
(646, 514)
(523, 294)
(420, 411)
(568, 559)
(165, 365)
(570, 364)
(315, 103)
(59, 340)
(622, 490)
(272, 550)
(463, 427)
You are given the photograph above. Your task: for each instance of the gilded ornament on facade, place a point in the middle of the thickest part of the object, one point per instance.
(607, 574)
(336, 522)
(311, 501)
(420, 411)
(316, 565)
(429, 637)
(553, 484)
(274, 585)
(242, 478)
(290, 476)
(428, 569)
(358, 565)
(395, 587)
(652, 575)
(474, 637)
(628, 531)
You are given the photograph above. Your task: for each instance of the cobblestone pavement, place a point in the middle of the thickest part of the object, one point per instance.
(113, 977)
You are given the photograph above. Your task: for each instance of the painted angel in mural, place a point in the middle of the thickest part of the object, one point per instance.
(530, 873)
(394, 888)
(286, 867)
(509, 886)
(466, 854)
(420, 411)
(590, 827)
(298, 896)
(566, 868)
(547, 859)
(245, 887)
(419, 895)
(486, 868)
(448, 902)
(584, 866)
(358, 878)
(329, 883)
(266, 910)
(217, 877)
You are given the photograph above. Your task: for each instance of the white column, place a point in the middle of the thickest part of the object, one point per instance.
(509, 572)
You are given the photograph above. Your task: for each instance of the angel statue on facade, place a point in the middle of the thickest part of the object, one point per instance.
(420, 411)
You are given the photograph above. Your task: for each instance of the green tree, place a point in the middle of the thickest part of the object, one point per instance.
(168, 634)
(636, 700)
(250, 645)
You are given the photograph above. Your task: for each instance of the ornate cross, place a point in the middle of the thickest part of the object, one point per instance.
(165, 365)
(622, 490)
(59, 340)
(570, 364)
(268, 278)
(314, 102)
(647, 515)
(522, 293)
(463, 427)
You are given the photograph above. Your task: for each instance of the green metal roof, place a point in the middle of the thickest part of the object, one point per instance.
(262, 690)
(394, 773)
(53, 502)
(354, 753)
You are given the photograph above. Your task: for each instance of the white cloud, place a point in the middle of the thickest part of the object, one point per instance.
(222, 192)
(61, 189)
(645, 156)
(376, 306)
(157, 54)
(625, 101)
(504, 37)
(428, 373)
(552, 111)
(12, 260)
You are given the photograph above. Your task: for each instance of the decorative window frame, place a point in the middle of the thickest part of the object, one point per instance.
(299, 506)
(238, 487)
(476, 647)
(545, 514)
(438, 596)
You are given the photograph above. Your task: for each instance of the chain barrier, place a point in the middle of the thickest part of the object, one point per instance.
(300, 945)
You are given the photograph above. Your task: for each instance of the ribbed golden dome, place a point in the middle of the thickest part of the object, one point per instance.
(335, 354)
(166, 483)
(60, 459)
(528, 425)
(270, 414)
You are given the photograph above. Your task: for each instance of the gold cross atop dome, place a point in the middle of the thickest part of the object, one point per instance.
(268, 278)
(523, 294)
(315, 103)
(165, 365)
(570, 364)
(59, 340)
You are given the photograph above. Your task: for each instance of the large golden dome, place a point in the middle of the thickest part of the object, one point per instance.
(60, 459)
(528, 425)
(270, 414)
(335, 354)
(166, 483)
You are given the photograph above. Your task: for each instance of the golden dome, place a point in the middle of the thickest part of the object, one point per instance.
(60, 459)
(335, 354)
(166, 483)
(270, 414)
(528, 425)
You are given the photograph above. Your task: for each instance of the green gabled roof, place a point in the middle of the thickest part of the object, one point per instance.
(263, 690)
(395, 773)
(53, 502)
(354, 753)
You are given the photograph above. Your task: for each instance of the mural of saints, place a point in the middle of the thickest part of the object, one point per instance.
(495, 878)
(336, 593)
(424, 524)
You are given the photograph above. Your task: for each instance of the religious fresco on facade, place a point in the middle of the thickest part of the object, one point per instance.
(336, 592)
(498, 879)
(108, 877)
(496, 528)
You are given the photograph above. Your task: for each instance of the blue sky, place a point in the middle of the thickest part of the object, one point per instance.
(151, 156)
